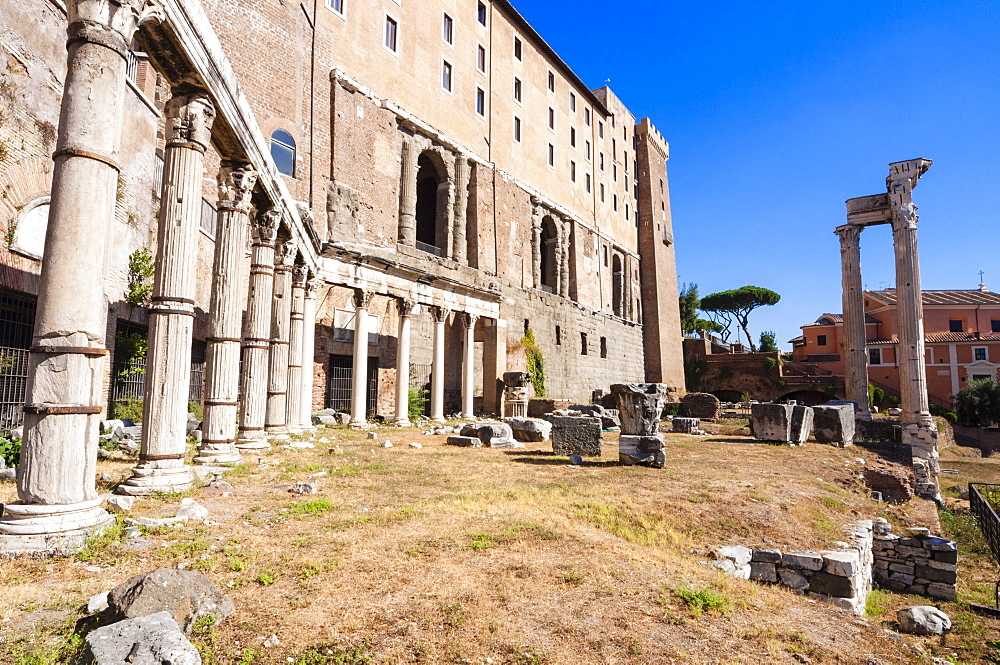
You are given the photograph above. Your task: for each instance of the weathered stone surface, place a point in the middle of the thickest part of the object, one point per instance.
(738, 554)
(120, 504)
(923, 620)
(942, 591)
(640, 406)
(832, 585)
(98, 603)
(802, 560)
(896, 486)
(540, 407)
(304, 488)
(530, 429)
(802, 423)
(845, 564)
(936, 575)
(464, 441)
(834, 424)
(767, 556)
(192, 509)
(793, 579)
(686, 425)
(763, 572)
(505, 442)
(771, 422)
(185, 594)
(147, 640)
(326, 421)
(487, 431)
(576, 435)
(595, 410)
(644, 450)
(701, 405)
(611, 419)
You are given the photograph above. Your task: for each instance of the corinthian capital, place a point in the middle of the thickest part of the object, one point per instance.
(189, 119)
(312, 285)
(849, 234)
(299, 276)
(265, 226)
(236, 187)
(405, 306)
(285, 253)
(440, 313)
(111, 23)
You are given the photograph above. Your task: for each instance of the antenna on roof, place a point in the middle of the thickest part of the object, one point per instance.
(982, 285)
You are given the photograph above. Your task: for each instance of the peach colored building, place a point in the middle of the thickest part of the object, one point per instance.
(961, 332)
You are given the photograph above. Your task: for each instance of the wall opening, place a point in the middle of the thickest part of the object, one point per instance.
(548, 268)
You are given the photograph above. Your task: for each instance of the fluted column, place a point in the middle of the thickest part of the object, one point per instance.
(293, 404)
(403, 363)
(536, 247)
(459, 243)
(55, 483)
(408, 193)
(559, 256)
(275, 422)
(359, 368)
(566, 232)
(855, 337)
(222, 357)
(468, 365)
(189, 117)
(308, 353)
(440, 315)
(257, 333)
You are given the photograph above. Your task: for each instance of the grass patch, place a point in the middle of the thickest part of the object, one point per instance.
(329, 654)
(879, 602)
(101, 543)
(701, 600)
(313, 508)
(635, 528)
(836, 504)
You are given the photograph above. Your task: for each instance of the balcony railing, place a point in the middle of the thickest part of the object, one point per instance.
(430, 249)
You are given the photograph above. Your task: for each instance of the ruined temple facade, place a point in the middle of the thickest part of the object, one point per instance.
(448, 184)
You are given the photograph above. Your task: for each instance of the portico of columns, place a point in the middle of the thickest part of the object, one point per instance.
(308, 353)
(359, 365)
(468, 365)
(405, 307)
(440, 315)
(276, 419)
(295, 331)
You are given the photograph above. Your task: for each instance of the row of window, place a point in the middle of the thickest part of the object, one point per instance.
(584, 346)
(978, 353)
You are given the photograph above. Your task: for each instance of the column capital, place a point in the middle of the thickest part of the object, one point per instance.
(284, 255)
(312, 285)
(189, 118)
(849, 234)
(405, 306)
(363, 298)
(265, 226)
(440, 313)
(110, 24)
(236, 185)
(300, 274)
(469, 320)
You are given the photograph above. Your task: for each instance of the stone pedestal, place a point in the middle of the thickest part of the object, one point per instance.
(686, 425)
(855, 338)
(293, 405)
(645, 450)
(640, 406)
(168, 368)
(403, 363)
(516, 394)
(275, 423)
(834, 424)
(781, 423)
(257, 334)
(468, 365)
(437, 372)
(359, 368)
(222, 362)
(576, 435)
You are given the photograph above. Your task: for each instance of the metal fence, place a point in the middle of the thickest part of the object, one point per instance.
(983, 501)
(13, 380)
(339, 391)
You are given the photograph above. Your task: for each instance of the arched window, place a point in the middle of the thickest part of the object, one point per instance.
(617, 285)
(550, 237)
(431, 213)
(283, 151)
(32, 223)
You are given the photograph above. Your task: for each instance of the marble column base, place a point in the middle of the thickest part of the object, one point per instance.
(227, 456)
(150, 480)
(251, 444)
(294, 429)
(402, 422)
(38, 519)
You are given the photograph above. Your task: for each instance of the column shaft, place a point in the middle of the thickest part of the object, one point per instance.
(275, 423)
(459, 242)
(168, 366)
(403, 363)
(222, 361)
(494, 365)
(536, 247)
(566, 231)
(855, 336)
(437, 368)
(257, 334)
(468, 366)
(408, 193)
(308, 354)
(295, 328)
(359, 367)
(559, 256)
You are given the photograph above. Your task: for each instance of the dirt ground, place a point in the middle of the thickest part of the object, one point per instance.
(441, 554)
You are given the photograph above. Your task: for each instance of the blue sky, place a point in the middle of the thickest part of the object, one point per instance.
(777, 112)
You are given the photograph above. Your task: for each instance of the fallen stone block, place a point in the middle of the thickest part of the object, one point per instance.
(686, 425)
(148, 640)
(923, 620)
(738, 554)
(185, 594)
(487, 431)
(802, 423)
(611, 419)
(640, 406)
(701, 405)
(464, 441)
(192, 509)
(845, 564)
(576, 435)
(530, 429)
(834, 424)
(98, 603)
(642, 450)
(771, 422)
(793, 579)
(303, 488)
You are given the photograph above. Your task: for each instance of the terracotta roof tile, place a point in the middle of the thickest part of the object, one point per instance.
(946, 297)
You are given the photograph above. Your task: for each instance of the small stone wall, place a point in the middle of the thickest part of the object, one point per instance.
(919, 563)
(701, 405)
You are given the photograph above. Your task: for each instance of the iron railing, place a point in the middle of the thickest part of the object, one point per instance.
(984, 499)
(339, 379)
(430, 249)
(13, 380)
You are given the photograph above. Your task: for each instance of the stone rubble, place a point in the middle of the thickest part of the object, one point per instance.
(529, 429)
(302, 487)
(191, 509)
(576, 435)
(186, 595)
(781, 423)
(834, 424)
(923, 620)
(920, 564)
(147, 640)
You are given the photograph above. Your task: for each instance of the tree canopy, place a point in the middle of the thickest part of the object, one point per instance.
(735, 306)
(979, 403)
(767, 341)
(689, 305)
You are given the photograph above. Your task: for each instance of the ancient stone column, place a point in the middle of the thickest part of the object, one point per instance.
(459, 243)
(257, 333)
(55, 483)
(566, 231)
(359, 368)
(275, 423)
(536, 247)
(308, 353)
(919, 430)
(855, 337)
(293, 404)
(408, 193)
(559, 256)
(403, 362)
(189, 117)
(440, 315)
(222, 361)
(468, 365)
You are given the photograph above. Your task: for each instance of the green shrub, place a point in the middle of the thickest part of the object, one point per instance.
(140, 270)
(127, 409)
(700, 600)
(770, 364)
(416, 403)
(10, 451)
(875, 396)
(194, 406)
(536, 363)
(671, 409)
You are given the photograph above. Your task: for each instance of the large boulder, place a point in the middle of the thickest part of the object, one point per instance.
(646, 450)
(923, 620)
(781, 423)
(185, 594)
(576, 435)
(530, 429)
(834, 424)
(147, 640)
(701, 405)
(640, 406)
(492, 434)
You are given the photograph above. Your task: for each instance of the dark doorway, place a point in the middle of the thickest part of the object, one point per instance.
(548, 267)
(428, 182)
(338, 383)
(616, 284)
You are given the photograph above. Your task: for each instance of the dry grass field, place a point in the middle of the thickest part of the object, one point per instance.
(456, 555)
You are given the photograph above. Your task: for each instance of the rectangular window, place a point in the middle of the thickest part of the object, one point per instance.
(517, 129)
(602, 192)
(628, 213)
(517, 90)
(600, 161)
(552, 155)
(605, 256)
(572, 102)
(588, 183)
(614, 172)
(820, 340)
(586, 117)
(448, 30)
(481, 14)
(552, 118)
(600, 129)
(446, 75)
(614, 202)
(979, 353)
(614, 149)
(572, 171)
(558, 336)
(480, 101)
(604, 347)
(572, 137)
(336, 5)
(391, 33)
(481, 58)
(874, 356)
(995, 325)
(587, 143)
(552, 82)
(518, 48)
(583, 344)
(956, 325)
